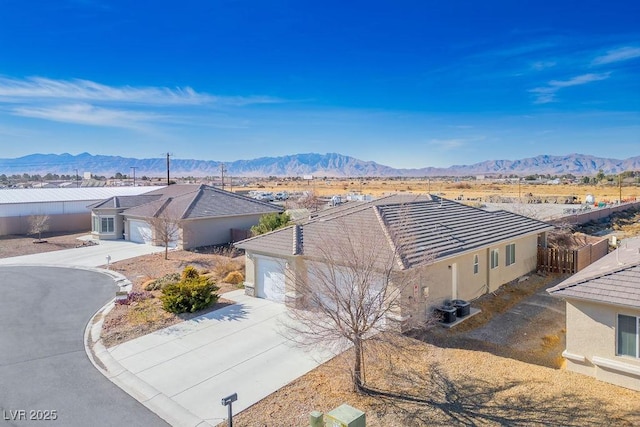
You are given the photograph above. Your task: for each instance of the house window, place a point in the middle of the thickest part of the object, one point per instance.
(476, 264)
(494, 258)
(107, 225)
(96, 224)
(511, 254)
(628, 331)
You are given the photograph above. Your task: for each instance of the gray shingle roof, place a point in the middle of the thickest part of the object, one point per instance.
(125, 201)
(418, 228)
(613, 279)
(200, 201)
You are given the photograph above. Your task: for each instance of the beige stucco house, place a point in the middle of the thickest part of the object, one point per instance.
(202, 215)
(450, 250)
(603, 317)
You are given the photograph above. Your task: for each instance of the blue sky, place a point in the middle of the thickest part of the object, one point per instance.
(402, 83)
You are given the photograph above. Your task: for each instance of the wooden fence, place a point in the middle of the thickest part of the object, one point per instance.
(552, 260)
(570, 261)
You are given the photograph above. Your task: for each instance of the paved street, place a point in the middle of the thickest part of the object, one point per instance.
(43, 364)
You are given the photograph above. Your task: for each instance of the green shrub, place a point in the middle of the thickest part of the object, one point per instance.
(163, 281)
(235, 278)
(189, 273)
(194, 292)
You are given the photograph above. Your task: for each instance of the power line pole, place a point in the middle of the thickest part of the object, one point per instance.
(168, 181)
(222, 171)
(76, 178)
(134, 174)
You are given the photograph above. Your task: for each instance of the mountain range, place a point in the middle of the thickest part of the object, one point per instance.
(330, 165)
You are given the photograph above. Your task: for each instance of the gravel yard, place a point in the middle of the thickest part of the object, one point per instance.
(12, 245)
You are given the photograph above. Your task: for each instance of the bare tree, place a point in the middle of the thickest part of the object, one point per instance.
(165, 227)
(309, 200)
(351, 288)
(38, 224)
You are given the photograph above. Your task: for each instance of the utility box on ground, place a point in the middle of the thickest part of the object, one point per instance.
(345, 416)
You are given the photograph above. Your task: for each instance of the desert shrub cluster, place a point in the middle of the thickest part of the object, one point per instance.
(192, 293)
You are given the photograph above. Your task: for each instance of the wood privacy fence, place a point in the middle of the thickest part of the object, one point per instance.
(570, 261)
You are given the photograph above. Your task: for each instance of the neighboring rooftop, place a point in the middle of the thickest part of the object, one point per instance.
(199, 201)
(613, 279)
(420, 227)
(42, 195)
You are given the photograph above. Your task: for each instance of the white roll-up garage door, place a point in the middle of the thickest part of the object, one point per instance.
(140, 232)
(270, 279)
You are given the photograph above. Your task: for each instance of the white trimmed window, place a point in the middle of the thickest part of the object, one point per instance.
(511, 254)
(107, 225)
(628, 336)
(494, 258)
(476, 264)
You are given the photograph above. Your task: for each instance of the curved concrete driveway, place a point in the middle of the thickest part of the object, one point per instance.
(43, 364)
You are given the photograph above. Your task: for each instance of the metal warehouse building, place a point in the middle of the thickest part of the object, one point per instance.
(66, 207)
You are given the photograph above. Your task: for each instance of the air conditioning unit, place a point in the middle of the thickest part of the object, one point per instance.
(446, 313)
(463, 308)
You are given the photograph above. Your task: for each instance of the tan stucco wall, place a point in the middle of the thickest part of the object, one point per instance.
(591, 332)
(216, 231)
(72, 222)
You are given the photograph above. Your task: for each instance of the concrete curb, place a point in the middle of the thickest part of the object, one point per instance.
(155, 401)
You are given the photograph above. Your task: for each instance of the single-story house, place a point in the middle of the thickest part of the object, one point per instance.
(203, 215)
(66, 208)
(603, 317)
(458, 251)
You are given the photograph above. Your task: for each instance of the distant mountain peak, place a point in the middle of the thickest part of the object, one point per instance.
(329, 164)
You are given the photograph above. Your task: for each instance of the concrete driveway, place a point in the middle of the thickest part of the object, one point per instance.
(43, 364)
(86, 256)
(236, 349)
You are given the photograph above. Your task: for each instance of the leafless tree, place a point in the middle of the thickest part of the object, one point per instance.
(351, 288)
(38, 224)
(165, 227)
(309, 200)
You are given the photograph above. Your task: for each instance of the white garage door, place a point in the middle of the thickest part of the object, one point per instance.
(270, 279)
(139, 232)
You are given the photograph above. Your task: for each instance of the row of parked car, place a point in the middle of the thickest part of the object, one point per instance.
(270, 197)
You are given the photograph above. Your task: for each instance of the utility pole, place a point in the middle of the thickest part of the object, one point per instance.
(76, 178)
(168, 181)
(134, 174)
(620, 187)
(222, 171)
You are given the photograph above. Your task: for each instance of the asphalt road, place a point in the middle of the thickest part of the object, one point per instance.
(44, 370)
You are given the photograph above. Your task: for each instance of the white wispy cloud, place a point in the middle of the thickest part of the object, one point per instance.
(617, 55)
(543, 65)
(448, 144)
(546, 94)
(86, 114)
(40, 88)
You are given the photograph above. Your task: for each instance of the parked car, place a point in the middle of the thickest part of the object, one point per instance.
(282, 196)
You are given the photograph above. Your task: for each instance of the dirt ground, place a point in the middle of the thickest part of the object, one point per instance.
(465, 190)
(13, 245)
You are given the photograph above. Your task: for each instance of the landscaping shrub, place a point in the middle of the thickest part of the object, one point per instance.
(134, 297)
(235, 278)
(160, 283)
(224, 266)
(190, 273)
(194, 292)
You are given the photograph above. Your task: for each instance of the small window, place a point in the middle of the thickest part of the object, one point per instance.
(476, 264)
(107, 225)
(628, 331)
(494, 258)
(511, 254)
